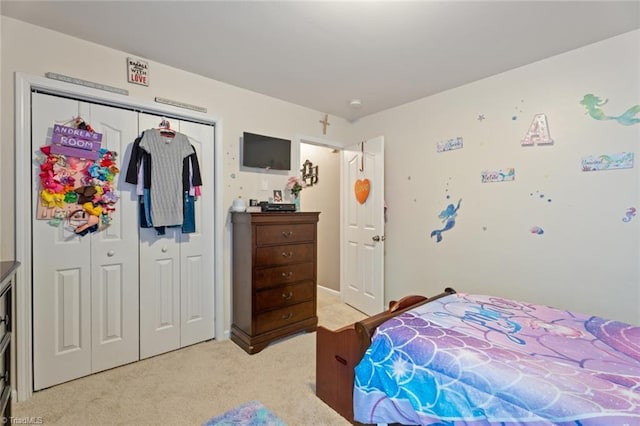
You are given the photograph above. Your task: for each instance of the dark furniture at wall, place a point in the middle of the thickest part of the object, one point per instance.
(274, 277)
(7, 283)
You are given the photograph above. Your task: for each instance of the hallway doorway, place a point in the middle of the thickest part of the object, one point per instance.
(324, 197)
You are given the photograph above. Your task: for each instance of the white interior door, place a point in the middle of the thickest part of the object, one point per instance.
(196, 249)
(83, 320)
(114, 252)
(176, 269)
(362, 234)
(61, 272)
(159, 281)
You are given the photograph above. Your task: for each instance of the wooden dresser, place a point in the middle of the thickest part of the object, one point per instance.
(274, 277)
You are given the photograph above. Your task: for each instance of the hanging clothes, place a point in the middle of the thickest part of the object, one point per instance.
(167, 154)
(139, 174)
(154, 159)
(139, 157)
(191, 182)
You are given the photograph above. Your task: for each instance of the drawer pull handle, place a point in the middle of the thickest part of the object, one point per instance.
(287, 275)
(5, 319)
(287, 316)
(288, 296)
(287, 253)
(287, 234)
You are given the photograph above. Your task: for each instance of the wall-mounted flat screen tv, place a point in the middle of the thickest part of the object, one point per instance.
(259, 151)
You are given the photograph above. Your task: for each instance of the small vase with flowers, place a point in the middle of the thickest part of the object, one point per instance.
(295, 184)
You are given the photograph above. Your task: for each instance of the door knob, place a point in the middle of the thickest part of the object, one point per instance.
(377, 238)
(164, 249)
(110, 253)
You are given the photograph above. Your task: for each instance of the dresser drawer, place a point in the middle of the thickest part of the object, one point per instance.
(285, 316)
(286, 233)
(280, 255)
(5, 300)
(5, 354)
(284, 296)
(277, 275)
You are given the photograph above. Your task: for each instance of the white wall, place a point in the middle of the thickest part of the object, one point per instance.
(324, 197)
(34, 50)
(587, 258)
(2, 89)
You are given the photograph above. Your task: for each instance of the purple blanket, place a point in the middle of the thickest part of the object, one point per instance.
(477, 360)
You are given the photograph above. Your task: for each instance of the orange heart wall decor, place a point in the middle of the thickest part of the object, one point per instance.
(362, 187)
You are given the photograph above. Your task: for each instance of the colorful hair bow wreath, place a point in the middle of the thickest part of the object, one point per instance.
(78, 189)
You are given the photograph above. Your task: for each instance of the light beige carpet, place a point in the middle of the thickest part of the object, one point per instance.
(194, 384)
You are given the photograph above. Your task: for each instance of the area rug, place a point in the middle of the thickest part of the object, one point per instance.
(250, 414)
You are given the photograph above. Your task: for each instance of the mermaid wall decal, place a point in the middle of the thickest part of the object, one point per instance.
(593, 105)
(448, 217)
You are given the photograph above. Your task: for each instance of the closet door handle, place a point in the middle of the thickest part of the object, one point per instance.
(287, 253)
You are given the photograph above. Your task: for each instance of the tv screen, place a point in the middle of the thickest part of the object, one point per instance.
(263, 152)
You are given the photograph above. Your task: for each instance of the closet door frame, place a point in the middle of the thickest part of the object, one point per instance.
(24, 85)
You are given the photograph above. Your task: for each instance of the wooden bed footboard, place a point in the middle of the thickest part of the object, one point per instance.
(339, 351)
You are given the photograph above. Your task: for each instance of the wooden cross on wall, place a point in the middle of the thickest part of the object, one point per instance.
(325, 123)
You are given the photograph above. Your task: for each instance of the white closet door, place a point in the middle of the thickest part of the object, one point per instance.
(176, 269)
(61, 272)
(159, 281)
(114, 252)
(196, 249)
(79, 291)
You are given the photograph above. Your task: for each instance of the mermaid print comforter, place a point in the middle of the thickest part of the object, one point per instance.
(477, 360)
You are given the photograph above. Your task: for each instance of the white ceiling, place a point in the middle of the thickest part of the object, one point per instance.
(323, 54)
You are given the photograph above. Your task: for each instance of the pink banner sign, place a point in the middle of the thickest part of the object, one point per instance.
(75, 142)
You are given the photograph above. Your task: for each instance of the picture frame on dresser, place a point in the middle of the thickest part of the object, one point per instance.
(274, 281)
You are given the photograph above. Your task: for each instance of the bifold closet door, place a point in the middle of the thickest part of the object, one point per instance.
(196, 249)
(176, 270)
(114, 255)
(85, 289)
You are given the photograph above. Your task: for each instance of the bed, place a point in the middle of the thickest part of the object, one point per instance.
(459, 358)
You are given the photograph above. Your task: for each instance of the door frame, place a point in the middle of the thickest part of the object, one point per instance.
(318, 141)
(24, 84)
(327, 143)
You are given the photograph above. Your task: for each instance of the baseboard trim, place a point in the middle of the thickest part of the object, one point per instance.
(329, 290)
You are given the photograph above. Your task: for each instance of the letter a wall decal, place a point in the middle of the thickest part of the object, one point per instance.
(538, 133)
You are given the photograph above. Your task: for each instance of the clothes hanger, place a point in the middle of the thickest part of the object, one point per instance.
(165, 128)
